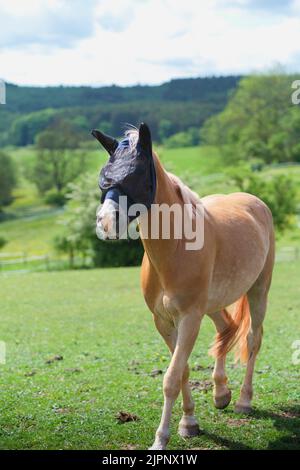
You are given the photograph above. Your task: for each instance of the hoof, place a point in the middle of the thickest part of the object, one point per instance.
(157, 447)
(160, 442)
(242, 409)
(189, 431)
(222, 401)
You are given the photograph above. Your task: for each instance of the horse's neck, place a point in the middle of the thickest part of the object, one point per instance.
(166, 191)
(161, 251)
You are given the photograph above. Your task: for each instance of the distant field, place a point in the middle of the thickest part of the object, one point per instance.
(202, 160)
(31, 235)
(34, 225)
(196, 160)
(97, 321)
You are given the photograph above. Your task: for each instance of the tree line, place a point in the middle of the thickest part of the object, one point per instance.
(169, 108)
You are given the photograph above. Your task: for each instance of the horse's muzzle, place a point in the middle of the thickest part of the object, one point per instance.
(112, 220)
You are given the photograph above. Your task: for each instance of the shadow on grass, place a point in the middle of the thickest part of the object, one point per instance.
(285, 420)
(225, 443)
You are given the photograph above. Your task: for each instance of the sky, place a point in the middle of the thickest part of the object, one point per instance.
(128, 42)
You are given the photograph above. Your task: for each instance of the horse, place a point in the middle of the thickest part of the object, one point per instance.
(228, 278)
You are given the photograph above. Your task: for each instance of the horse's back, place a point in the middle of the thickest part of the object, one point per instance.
(233, 200)
(238, 208)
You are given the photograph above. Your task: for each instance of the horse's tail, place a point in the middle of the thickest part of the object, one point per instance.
(236, 332)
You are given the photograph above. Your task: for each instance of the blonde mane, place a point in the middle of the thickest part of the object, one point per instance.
(188, 196)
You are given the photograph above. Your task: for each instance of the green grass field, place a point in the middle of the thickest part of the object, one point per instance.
(97, 322)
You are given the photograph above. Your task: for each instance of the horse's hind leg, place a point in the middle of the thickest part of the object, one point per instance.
(221, 393)
(257, 297)
(188, 426)
(257, 309)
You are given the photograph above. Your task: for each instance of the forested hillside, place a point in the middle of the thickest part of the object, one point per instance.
(169, 108)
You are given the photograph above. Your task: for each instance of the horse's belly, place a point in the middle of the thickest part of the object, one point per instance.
(229, 285)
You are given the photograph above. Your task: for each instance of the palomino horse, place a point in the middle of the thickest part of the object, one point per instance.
(233, 268)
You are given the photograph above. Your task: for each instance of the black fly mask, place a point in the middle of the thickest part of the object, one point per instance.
(130, 170)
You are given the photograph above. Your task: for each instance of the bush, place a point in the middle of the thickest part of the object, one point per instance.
(278, 192)
(7, 179)
(54, 198)
(117, 253)
(2, 242)
(183, 139)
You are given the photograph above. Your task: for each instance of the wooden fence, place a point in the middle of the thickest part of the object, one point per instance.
(288, 253)
(21, 262)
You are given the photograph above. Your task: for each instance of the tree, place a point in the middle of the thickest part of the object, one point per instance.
(79, 219)
(165, 129)
(279, 192)
(3, 242)
(68, 245)
(168, 108)
(24, 128)
(285, 144)
(257, 120)
(188, 138)
(7, 179)
(58, 160)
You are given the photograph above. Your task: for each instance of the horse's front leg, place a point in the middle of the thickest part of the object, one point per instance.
(188, 426)
(188, 328)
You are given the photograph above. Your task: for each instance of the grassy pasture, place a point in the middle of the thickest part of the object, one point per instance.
(98, 323)
(195, 159)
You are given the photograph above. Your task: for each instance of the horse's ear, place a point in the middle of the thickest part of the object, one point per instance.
(145, 137)
(109, 143)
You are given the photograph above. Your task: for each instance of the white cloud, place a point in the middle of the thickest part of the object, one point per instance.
(145, 41)
(57, 24)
